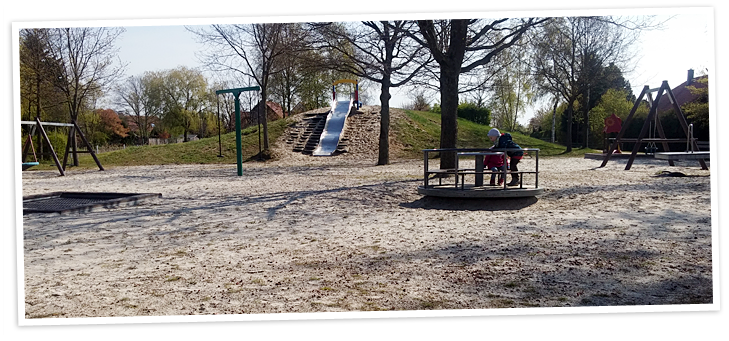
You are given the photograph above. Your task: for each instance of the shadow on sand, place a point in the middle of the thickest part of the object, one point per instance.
(471, 204)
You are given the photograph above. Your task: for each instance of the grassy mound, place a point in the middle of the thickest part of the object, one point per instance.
(203, 151)
(422, 131)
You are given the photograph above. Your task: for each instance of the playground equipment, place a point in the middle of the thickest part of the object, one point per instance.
(333, 128)
(76, 202)
(37, 127)
(356, 90)
(652, 122)
(336, 119)
(26, 165)
(459, 189)
(236, 93)
(689, 154)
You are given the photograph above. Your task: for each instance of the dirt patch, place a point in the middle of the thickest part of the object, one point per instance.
(314, 234)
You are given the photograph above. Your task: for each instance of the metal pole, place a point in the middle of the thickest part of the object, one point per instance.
(688, 139)
(238, 146)
(536, 172)
(260, 106)
(425, 169)
(554, 118)
(220, 144)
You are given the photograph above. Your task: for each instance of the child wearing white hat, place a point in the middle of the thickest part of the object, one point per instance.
(503, 141)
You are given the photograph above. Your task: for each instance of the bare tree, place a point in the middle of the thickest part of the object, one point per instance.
(251, 50)
(459, 47)
(85, 57)
(378, 51)
(296, 68)
(138, 96)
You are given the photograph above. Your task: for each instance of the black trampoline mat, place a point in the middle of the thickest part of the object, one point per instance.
(67, 202)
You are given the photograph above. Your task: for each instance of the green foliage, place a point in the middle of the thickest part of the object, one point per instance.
(614, 101)
(58, 140)
(422, 131)
(472, 112)
(203, 151)
(513, 88)
(98, 138)
(697, 112)
(435, 108)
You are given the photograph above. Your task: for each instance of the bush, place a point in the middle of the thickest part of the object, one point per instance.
(58, 141)
(474, 113)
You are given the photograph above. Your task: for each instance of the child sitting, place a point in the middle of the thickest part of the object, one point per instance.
(495, 163)
(503, 141)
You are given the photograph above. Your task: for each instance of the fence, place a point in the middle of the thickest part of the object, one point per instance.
(152, 142)
(109, 148)
(156, 141)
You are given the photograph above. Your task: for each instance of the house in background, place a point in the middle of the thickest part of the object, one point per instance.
(273, 112)
(682, 93)
(683, 96)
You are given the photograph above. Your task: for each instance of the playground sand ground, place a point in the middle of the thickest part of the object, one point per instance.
(340, 234)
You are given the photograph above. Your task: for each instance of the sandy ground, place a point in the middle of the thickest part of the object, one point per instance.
(338, 234)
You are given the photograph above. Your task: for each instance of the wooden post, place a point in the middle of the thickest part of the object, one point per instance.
(659, 127)
(50, 146)
(652, 113)
(68, 146)
(624, 128)
(88, 145)
(684, 124)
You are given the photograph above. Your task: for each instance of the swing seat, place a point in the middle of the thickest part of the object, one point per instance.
(27, 165)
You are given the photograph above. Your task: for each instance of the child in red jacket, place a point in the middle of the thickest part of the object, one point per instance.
(495, 163)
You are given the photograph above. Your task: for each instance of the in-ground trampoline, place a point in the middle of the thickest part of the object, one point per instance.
(70, 202)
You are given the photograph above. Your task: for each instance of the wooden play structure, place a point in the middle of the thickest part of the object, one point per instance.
(652, 123)
(74, 129)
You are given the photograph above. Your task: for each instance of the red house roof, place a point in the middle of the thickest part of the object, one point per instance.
(682, 93)
(274, 110)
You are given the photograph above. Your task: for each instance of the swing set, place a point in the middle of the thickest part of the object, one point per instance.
(651, 126)
(37, 128)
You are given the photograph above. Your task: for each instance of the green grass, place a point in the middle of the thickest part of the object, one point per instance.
(422, 131)
(203, 151)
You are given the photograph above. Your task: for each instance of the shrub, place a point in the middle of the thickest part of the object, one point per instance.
(474, 113)
(58, 140)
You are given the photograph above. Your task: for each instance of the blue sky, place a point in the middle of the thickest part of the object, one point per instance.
(665, 54)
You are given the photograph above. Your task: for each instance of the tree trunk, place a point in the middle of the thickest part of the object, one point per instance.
(74, 147)
(448, 114)
(38, 111)
(587, 119)
(262, 110)
(554, 119)
(384, 152)
(569, 126)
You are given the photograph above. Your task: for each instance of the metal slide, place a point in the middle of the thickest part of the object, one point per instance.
(333, 128)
